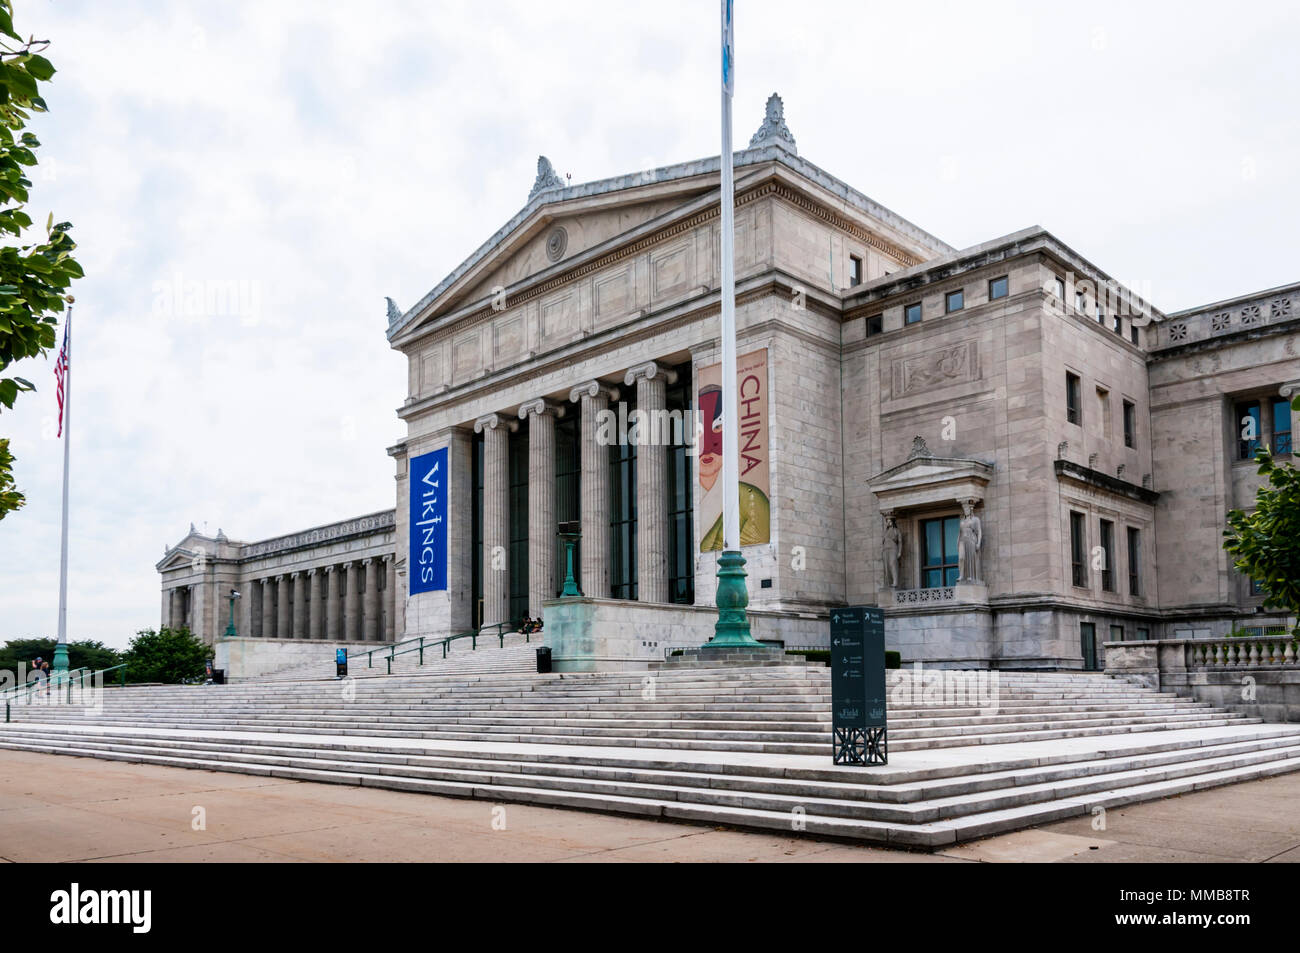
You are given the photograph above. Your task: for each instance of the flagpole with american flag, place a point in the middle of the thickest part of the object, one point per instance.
(63, 375)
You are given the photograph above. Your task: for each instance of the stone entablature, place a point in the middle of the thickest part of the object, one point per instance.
(330, 533)
(1234, 317)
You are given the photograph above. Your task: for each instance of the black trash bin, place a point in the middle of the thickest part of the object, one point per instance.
(218, 676)
(544, 660)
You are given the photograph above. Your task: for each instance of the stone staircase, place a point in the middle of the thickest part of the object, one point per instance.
(748, 747)
(490, 657)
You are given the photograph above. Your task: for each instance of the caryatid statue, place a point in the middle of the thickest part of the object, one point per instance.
(892, 550)
(970, 536)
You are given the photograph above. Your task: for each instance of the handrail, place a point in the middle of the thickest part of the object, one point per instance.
(70, 677)
(472, 634)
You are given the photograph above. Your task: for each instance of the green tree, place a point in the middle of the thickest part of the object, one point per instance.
(18, 654)
(168, 655)
(1266, 541)
(34, 277)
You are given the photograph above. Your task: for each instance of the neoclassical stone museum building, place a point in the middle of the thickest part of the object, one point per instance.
(1014, 455)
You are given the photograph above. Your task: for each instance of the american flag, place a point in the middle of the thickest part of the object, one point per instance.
(60, 371)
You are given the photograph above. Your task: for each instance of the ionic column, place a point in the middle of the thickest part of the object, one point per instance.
(268, 609)
(541, 415)
(351, 605)
(247, 611)
(372, 632)
(651, 469)
(390, 598)
(496, 515)
(313, 604)
(594, 459)
(333, 604)
(300, 581)
(282, 607)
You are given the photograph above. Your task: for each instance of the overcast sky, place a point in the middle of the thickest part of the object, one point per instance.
(317, 156)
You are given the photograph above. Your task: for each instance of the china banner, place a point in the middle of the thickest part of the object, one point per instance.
(755, 478)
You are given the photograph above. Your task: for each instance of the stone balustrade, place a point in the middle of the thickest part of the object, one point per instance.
(1267, 651)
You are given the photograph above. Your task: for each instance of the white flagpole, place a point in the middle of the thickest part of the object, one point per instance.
(61, 648)
(730, 435)
(732, 628)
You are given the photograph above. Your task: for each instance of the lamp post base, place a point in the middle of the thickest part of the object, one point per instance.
(60, 663)
(732, 627)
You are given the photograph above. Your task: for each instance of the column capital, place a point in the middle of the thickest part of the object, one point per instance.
(592, 389)
(493, 421)
(347, 564)
(649, 370)
(367, 561)
(540, 406)
(329, 569)
(311, 572)
(279, 577)
(387, 557)
(1289, 389)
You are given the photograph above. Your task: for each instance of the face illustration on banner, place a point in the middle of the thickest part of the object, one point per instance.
(710, 459)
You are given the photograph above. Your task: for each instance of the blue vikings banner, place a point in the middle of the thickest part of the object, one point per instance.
(428, 492)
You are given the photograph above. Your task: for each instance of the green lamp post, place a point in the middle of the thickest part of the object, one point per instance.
(230, 627)
(570, 532)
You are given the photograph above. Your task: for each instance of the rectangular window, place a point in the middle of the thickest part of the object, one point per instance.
(998, 288)
(1248, 431)
(1134, 561)
(1058, 287)
(1257, 587)
(953, 301)
(568, 495)
(855, 270)
(1281, 426)
(939, 552)
(1101, 317)
(912, 314)
(1143, 633)
(1119, 325)
(875, 324)
(517, 554)
(622, 518)
(681, 532)
(1130, 424)
(1107, 555)
(1073, 410)
(1133, 333)
(1078, 550)
(1081, 302)
(1117, 633)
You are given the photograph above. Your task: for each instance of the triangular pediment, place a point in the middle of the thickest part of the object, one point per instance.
(924, 480)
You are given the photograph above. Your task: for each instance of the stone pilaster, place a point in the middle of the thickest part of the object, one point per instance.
(299, 624)
(594, 458)
(268, 608)
(176, 612)
(496, 516)
(351, 604)
(282, 607)
(372, 629)
(390, 598)
(313, 604)
(247, 610)
(651, 472)
(541, 415)
(333, 604)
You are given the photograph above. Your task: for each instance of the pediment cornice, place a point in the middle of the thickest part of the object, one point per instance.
(924, 479)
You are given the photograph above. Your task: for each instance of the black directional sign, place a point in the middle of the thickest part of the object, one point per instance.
(858, 685)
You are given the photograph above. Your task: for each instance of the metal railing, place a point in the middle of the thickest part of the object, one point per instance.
(424, 643)
(43, 686)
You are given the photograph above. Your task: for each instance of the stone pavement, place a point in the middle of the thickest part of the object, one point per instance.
(58, 808)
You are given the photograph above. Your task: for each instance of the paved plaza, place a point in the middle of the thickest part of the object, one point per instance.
(58, 809)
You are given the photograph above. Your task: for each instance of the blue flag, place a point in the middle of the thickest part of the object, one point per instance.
(728, 49)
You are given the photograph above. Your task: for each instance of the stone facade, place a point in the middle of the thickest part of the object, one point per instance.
(330, 583)
(1056, 454)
